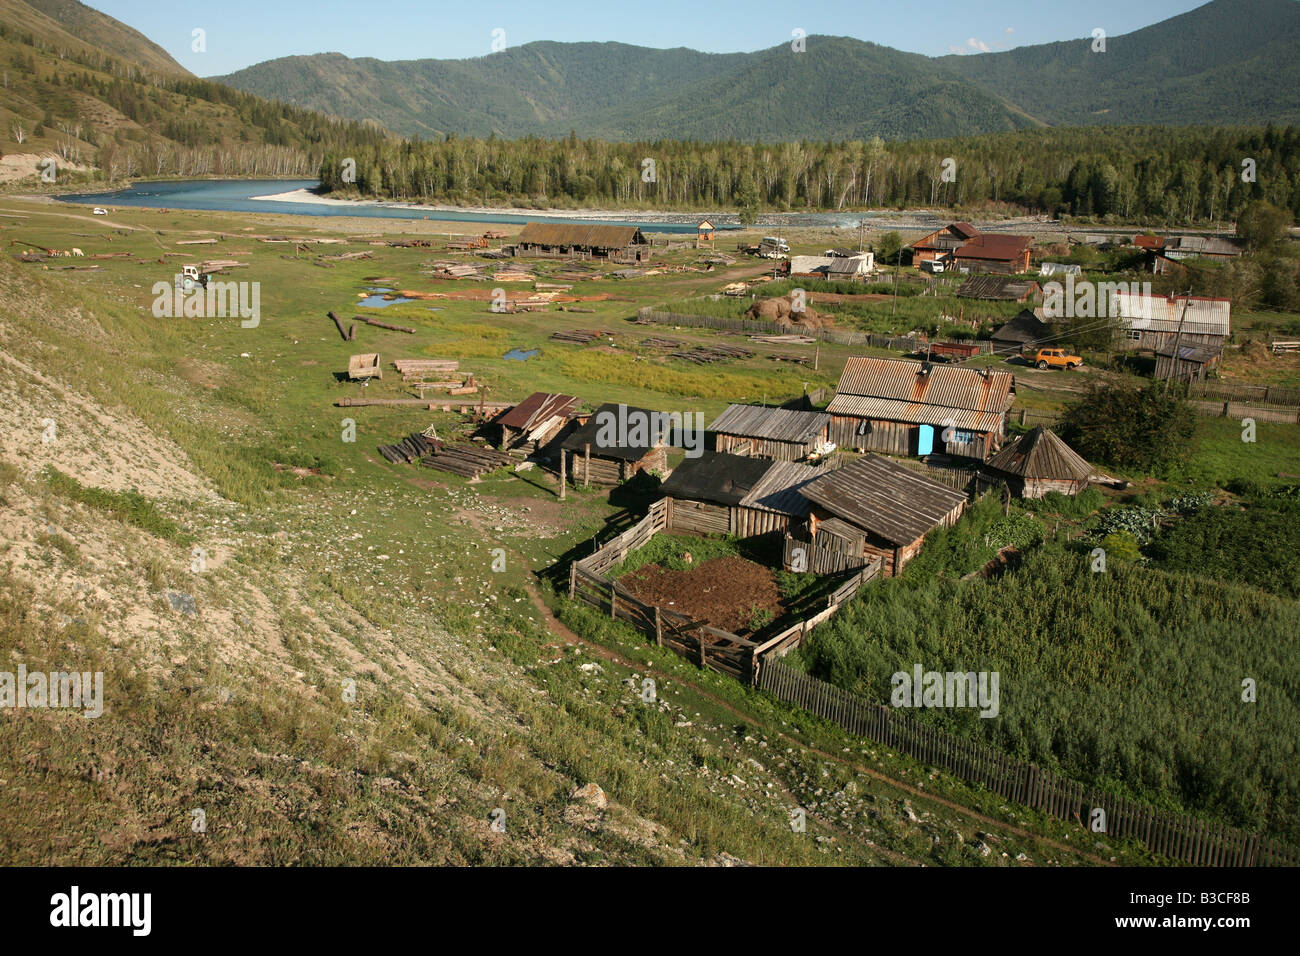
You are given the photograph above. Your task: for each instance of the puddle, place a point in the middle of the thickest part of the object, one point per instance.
(381, 299)
(519, 355)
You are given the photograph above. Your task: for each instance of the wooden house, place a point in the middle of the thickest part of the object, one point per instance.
(733, 495)
(1038, 462)
(906, 408)
(780, 433)
(1194, 363)
(873, 508)
(536, 422)
(1023, 332)
(576, 240)
(602, 452)
(939, 246)
(1154, 322)
(995, 252)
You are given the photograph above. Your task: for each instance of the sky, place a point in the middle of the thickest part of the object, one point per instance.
(239, 33)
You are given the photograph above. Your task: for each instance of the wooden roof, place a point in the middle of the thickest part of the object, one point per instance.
(943, 385)
(997, 288)
(579, 234)
(589, 433)
(537, 408)
(773, 424)
(884, 497)
(721, 479)
(1025, 327)
(1039, 453)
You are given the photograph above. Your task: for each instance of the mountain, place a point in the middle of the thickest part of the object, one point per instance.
(109, 35)
(87, 90)
(1230, 61)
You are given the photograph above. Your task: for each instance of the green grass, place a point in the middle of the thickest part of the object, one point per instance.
(129, 506)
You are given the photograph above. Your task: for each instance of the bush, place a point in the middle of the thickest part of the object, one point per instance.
(1130, 427)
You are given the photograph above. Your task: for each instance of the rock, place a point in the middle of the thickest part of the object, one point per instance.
(983, 849)
(181, 602)
(909, 813)
(590, 794)
(591, 668)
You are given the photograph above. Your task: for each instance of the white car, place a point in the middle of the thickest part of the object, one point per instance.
(101, 211)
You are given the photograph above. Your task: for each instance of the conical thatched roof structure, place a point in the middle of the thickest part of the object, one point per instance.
(1040, 462)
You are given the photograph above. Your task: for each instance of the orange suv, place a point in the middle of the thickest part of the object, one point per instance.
(1056, 358)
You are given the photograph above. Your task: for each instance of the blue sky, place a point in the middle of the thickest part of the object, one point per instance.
(240, 33)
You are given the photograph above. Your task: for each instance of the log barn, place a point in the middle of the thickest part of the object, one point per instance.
(939, 246)
(563, 240)
(536, 422)
(1023, 332)
(995, 252)
(588, 458)
(875, 507)
(783, 434)
(734, 495)
(905, 408)
(1194, 364)
(1038, 462)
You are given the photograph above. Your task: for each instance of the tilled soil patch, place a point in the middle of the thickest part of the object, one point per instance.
(725, 592)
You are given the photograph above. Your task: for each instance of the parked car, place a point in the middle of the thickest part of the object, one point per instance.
(932, 266)
(1056, 358)
(100, 211)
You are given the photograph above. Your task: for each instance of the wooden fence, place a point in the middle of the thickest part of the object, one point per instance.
(1263, 394)
(1173, 835)
(792, 637)
(1287, 416)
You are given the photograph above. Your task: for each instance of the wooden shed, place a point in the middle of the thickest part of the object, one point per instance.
(594, 453)
(907, 408)
(1154, 322)
(576, 240)
(780, 433)
(536, 421)
(1194, 363)
(1038, 462)
(1023, 332)
(874, 507)
(735, 495)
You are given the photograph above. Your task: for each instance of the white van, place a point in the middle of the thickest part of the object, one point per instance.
(100, 211)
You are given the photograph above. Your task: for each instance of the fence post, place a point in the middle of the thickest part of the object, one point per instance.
(573, 578)
(659, 629)
(700, 634)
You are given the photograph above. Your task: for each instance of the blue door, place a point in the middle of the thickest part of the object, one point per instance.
(925, 440)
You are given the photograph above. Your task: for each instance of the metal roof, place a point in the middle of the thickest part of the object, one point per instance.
(809, 263)
(1205, 316)
(851, 265)
(998, 247)
(579, 234)
(884, 497)
(589, 433)
(774, 424)
(946, 385)
(1040, 453)
(537, 408)
(892, 410)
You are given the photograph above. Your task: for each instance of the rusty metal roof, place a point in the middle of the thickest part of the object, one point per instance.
(537, 408)
(953, 387)
(1040, 453)
(774, 424)
(884, 497)
(580, 234)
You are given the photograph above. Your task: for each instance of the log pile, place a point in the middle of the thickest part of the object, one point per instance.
(468, 461)
(579, 336)
(655, 342)
(708, 354)
(411, 449)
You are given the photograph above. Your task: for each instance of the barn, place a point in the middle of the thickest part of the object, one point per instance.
(1023, 332)
(1038, 462)
(873, 508)
(995, 252)
(591, 459)
(939, 246)
(575, 240)
(733, 495)
(784, 434)
(1153, 322)
(895, 407)
(535, 422)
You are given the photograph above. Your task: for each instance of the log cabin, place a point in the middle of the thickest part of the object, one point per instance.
(734, 495)
(590, 456)
(875, 507)
(914, 408)
(560, 240)
(783, 434)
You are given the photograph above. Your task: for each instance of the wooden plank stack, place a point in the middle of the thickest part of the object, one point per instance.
(708, 354)
(579, 336)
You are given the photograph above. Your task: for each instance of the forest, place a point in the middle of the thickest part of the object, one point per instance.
(1148, 174)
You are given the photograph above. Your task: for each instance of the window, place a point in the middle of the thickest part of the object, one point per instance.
(1135, 335)
(960, 437)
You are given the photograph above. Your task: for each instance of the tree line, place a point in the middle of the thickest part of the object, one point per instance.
(1155, 174)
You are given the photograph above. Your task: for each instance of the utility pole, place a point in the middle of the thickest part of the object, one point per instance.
(1173, 360)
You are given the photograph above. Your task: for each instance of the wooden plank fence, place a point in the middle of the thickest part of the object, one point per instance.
(1262, 394)
(1174, 835)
